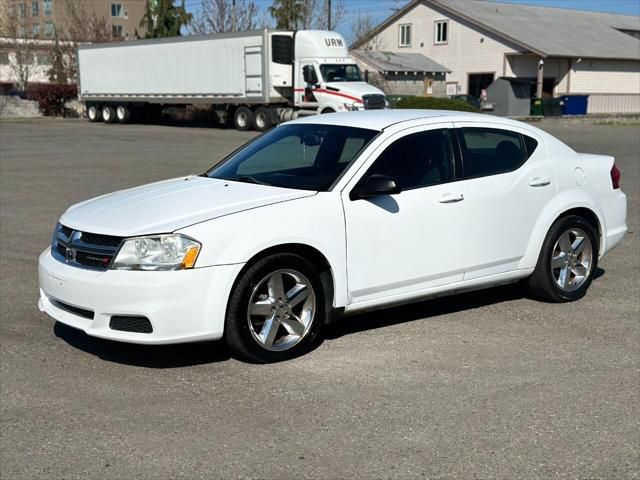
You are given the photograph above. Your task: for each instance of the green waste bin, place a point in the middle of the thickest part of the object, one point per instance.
(552, 107)
(536, 107)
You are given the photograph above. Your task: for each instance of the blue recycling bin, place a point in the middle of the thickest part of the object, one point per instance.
(574, 104)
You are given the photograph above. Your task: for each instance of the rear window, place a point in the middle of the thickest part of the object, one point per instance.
(531, 144)
(488, 151)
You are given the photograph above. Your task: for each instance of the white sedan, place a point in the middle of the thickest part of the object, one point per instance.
(330, 215)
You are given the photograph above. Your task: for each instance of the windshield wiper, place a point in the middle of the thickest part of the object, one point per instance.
(249, 179)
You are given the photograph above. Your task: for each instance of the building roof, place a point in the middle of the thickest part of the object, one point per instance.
(399, 62)
(546, 31)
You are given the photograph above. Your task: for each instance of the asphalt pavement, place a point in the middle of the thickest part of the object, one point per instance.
(489, 384)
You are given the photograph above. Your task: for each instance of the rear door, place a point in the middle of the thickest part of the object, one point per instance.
(509, 180)
(253, 71)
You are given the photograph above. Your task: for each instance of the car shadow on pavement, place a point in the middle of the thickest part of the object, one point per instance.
(425, 309)
(149, 356)
(190, 354)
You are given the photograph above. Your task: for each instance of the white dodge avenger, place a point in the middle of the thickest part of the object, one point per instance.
(329, 215)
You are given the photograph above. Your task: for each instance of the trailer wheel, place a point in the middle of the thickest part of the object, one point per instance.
(123, 113)
(243, 118)
(93, 113)
(108, 114)
(264, 119)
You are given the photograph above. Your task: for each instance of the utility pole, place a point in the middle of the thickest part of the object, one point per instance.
(329, 14)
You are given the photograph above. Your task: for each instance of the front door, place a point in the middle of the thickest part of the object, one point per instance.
(414, 240)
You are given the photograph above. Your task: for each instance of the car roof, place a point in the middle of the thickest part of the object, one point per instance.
(381, 119)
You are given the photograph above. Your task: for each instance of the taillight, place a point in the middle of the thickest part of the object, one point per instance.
(615, 177)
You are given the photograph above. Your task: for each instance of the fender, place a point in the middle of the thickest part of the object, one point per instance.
(554, 209)
(317, 223)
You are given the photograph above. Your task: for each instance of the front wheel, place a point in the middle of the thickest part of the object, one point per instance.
(567, 261)
(276, 310)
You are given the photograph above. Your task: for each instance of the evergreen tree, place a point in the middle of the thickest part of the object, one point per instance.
(288, 14)
(162, 18)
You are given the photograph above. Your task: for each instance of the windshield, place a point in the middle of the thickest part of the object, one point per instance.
(300, 156)
(340, 73)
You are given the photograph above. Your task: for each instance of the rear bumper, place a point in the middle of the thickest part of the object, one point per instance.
(614, 215)
(182, 306)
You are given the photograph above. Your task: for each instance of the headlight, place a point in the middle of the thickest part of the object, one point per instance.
(354, 106)
(157, 252)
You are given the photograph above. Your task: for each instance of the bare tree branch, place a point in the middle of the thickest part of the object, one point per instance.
(219, 16)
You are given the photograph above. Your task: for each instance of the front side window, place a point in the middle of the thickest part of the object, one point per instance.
(441, 32)
(487, 151)
(340, 73)
(303, 156)
(405, 35)
(417, 160)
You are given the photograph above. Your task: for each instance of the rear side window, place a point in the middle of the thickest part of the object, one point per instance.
(282, 49)
(417, 160)
(531, 144)
(487, 151)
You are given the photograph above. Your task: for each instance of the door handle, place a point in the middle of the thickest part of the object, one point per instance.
(539, 182)
(451, 198)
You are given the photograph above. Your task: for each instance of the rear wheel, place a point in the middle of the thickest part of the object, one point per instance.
(328, 110)
(93, 113)
(243, 118)
(108, 114)
(567, 261)
(123, 113)
(263, 119)
(276, 310)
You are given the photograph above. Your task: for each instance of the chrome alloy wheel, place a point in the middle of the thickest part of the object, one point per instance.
(281, 310)
(572, 259)
(242, 120)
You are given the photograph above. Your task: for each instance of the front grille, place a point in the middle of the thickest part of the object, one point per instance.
(84, 249)
(127, 323)
(374, 102)
(80, 312)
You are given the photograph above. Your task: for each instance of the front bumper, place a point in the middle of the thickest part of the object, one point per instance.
(182, 306)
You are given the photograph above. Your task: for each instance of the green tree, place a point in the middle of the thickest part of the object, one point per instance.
(162, 18)
(288, 14)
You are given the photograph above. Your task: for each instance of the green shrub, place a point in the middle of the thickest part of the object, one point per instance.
(51, 97)
(432, 103)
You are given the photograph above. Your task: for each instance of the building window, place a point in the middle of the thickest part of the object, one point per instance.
(22, 10)
(116, 10)
(47, 7)
(48, 28)
(441, 32)
(43, 59)
(35, 30)
(35, 8)
(4, 58)
(117, 31)
(405, 35)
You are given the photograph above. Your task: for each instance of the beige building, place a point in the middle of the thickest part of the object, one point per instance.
(560, 51)
(27, 30)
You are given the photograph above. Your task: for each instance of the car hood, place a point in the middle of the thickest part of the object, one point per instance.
(170, 205)
(356, 89)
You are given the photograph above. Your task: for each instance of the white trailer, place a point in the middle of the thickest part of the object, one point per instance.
(257, 77)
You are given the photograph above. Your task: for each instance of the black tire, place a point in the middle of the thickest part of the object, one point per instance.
(263, 119)
(237, 329)
(542, 283)
(328, 110)
(243, 119)
(94, 113)
(123, 113)
(108, 114)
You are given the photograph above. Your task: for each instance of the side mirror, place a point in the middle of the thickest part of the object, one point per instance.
(309, 74)
(374, 186)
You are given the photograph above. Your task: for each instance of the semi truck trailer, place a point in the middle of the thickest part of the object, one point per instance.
(255, 78)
